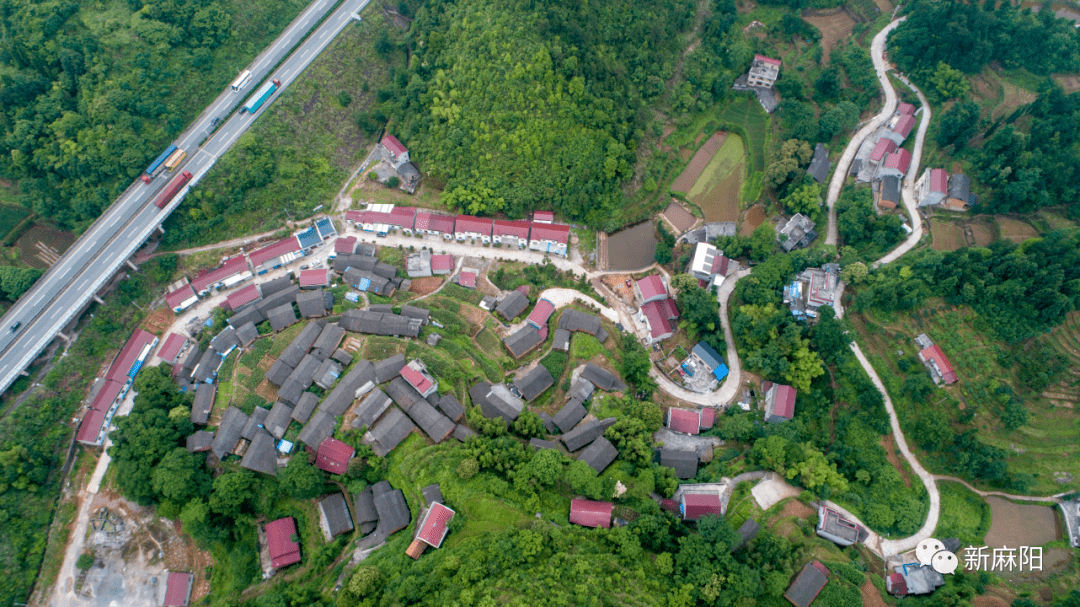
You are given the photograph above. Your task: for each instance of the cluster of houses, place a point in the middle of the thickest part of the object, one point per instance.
(109, 391)
(936, 188)
(241, 267)
(541, 234)
(811, 289)
(535, 330)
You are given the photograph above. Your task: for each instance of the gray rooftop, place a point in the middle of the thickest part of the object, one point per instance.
(684, 463)
(247, 334)
(496, 401)
(203, 404)
(279, 372)
(581, 389)
(586, 433)
(890, 188)
(252, 315)
(523, 340)
(282, 317)
(389, 432)
(286, 295)
(746, 533)
(415, 312)
(450, 406)
(538, 443)
(561, 341)
(533, 383)
(819, 164)
(364, 513)
(327, 373)
(402, 393)
(463, 433)
(207, 367)
(602, 378)
(228, 433)
(576, 320)
(389, 368)
(512, 305)
(305, 371)
(225, 340)
(275, 286)
(342, 356)
(806, 586)
(432, 494)
(361, 262)
(329, 339)
(549, 424)
(279, 419)
(434, 424)
(254, 421)
(305, 407)
(380, 323)
(312, 303)
(343, 395)
(599, 454)
(570, 415)
(318, 428)
(393, 512)
(335, 513)
(371, 408)
(200, 441)
(261, 455)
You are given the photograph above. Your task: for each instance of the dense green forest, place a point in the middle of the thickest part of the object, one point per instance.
(91, 92)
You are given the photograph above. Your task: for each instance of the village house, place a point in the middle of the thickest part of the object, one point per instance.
(889, 192)
(178, 589)
(819, 165)
(931, 187)
(798, 232)
(779, 402)
(334, 517)
(960, 196)
(760, 79)
(510, 233)
(476, 228)
(807, 584)
(710, 266)
(549, 238)
(698, 500)
(896, 163)
(417, 375)
(941, 370)
(431, 529)
(657, 308)
(811, 289)
(834, 527)
(588, 513)
(283, 549)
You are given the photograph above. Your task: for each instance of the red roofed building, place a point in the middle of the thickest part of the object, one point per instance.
(693, 506)
(655, 316)
(932, 187)
(346, 245)
(467, 279)
(181, 299)
(708, 418)
(650, 288)
(317, 277)
(467, 226)
(333, 456)
(442, 264)
(279, 543)
(884, 146)
(108, 398)
(903, 126)
(231, 272)
(435, 224)
(510, 232)
(541, 313)
(403, 217)
(543, 216)
(136, 352)
(941, 370)
(272, 256)
(434, 525)
(763, 71)
(417, 375)
(779, 403)
(683, 420)
(905, 109)
(399, 155)
(178, 589)
(170, 350)
(92, 428)
(896, 163)
(670, 505)
(896, 585)
(549, 238)
(588, 513)
(238, 299)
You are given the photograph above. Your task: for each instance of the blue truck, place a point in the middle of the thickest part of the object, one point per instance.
(259, 98)
(148, 174)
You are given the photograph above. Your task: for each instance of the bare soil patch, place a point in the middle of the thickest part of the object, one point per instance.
(797, 509)
(425, 285)
(871, 597)
(755, 216)
(679, 217)
(1069, 82)
(833, 28)
(686, 154)
(989, 601)
(1020, 525)
(888, 442)
(159, 321)
(722, 202)
(697, 165)
(617, 283)
(982, 234)
(1015, 230)
(947, 236)
(266, 391)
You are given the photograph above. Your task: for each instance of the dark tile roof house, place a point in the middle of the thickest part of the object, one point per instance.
(283, 549)
(254, 422)
(570, 415)
(402, 393)
(187, 365)
(333, 456)
(365, 515)
(342, 356)
(366, 249)
(779, 403)
(496, 401)
(329, 339)
(588, 513)
(434, 524)
(279, 372)
(512, 305)
(533, 383)
(277, 422)
(200, 441)
(275, 286)
(889, 192)
(693, 506)
(561, 341)
(576, 320)
(415, 312)
(228, 432)
(549, 424)
(599, 454)
(225, 341)
(207, 368)
(581, 389)
(305, 407)
(203, 403)
(389, 368)
(959, 196)
(450, 406)
(684, 463)
(284, 296)
(359, 262)
(313, 303)
(602, 378)
(541, 313)
(343, 395)
(282, 317)
(683, 420)
(834, 527)
(393, 512)
(913, 579)
(463, 433)
(380, 323)
(819, 164)
(746, 533)
(434, 424)
(247, 334)
(178, 589)
(371, 408)
(334, 518)
(327, 373)
(807, 584)
(241, 298)
(320, 426)
(390, 431)
(539, 443)
(169, 352)
(261, 455)
(432, 494)
(384, 270)
(524, 340)
(586, 433)
(304, 373)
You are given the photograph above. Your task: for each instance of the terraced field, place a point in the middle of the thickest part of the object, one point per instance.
(1066, 340)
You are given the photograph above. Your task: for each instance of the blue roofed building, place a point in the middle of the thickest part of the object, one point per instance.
(308, 238)
(711, 359)
(325, 228)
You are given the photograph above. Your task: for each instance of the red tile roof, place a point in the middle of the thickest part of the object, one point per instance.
(519, 229)
(884, 146)
(369, 217)
(434, 222)
(346, 244)
(896, 584)
(442, 262)
(784, 406)
(318, 277)
(172, 346)
(541, 313)
(176, 298)
(543, 216)
(279, 248)
(90, 426)
(904, 125)
(767, 59)
(720, 265)
(905, 109)
(434, 526)
(708, 417)
(939, 181)
(467, 224)
(543, 333)
(333, 456)
(588, 513)
(659, 325)
(697, 505)
(176, 589)
(242, 297)
(283, 551)
(683, 420)
(550, 231)
(899, 160)
(667, 306)
(403, 217)
(139, 341)
(105, 397)
(416, 379)
(467, 279)
(231, 267)
(393, 146)
(945, 367)
(669, 505)
(652, 286)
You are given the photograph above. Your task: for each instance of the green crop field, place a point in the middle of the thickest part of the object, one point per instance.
(751, 117)
(964, 515)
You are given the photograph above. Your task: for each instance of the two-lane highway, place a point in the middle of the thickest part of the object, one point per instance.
(116, 235)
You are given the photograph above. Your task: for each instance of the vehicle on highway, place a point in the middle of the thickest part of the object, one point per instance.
(241, 80)
(259, 98)
(175, 159)
(155, 166)
(173, 189)
(216, 120)
(15, 327)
